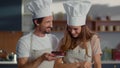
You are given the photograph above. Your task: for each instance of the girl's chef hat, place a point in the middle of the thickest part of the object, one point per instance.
(40, 8)
(77, 11)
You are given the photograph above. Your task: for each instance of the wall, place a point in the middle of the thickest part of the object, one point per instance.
(110, 39)
(105, 10)
(100, 8)
(10, 15)
(9, 39)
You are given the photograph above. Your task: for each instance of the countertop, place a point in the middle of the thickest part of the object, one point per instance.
(103, 62)
(8, 62)
(110, 62)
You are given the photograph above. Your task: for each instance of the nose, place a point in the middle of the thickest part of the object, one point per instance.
(51, 24)
(72, 31)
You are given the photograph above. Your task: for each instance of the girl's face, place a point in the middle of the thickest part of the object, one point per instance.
(74, 30)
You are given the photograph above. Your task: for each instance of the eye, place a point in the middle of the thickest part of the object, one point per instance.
(69, 29)
(75, 29)
(47, 21)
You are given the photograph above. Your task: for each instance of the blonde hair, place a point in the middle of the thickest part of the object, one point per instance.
(68, 42)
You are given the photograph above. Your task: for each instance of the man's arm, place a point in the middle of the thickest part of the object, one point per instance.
(25, 63)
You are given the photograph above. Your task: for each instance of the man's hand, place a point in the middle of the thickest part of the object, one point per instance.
(48, 56)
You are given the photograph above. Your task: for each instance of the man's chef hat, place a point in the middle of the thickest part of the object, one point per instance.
(77, 11)
(40, 8)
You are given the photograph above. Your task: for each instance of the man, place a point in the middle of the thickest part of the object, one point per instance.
(34, 49)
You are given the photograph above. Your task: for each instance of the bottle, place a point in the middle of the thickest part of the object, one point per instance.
(107, 54)
(3, 55)
(110, 28)
(15, 58)
(11, 56)
(108, 18)
(117, 28)
(102, 28)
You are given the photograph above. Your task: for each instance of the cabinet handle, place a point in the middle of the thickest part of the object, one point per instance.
(115, 66)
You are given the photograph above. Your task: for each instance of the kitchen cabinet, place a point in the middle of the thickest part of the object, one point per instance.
(9, 39)
(8, 64)
(10, 15)
(107, 26)
(60, 25)
(107, 66)
(110, 64)
(98, 26)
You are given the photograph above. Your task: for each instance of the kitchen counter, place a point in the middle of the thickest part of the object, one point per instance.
(15, 62)
(8, 64)
(110, 62)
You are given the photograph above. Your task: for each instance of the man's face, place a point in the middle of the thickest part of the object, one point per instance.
(46, 25)
(74, 31)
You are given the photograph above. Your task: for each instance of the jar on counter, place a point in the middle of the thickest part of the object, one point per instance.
(3, 55)
(108, 18)
(107, 54)
(11, 56)
(102, 28)
(110, 28)
(117, 28)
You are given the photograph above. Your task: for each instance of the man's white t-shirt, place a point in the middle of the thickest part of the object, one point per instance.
(30, 42)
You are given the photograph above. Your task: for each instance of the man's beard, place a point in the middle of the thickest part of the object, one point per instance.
(47, 32)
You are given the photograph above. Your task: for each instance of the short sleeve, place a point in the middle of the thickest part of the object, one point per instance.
(22, 50)
(59, 45)
(96, 47)
(55, 42)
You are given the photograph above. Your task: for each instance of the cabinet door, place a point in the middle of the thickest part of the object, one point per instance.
(117, 66)
(110, 65)
(10, 15)
(8, 66)
(107, 65)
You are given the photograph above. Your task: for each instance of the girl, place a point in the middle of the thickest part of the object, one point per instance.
(82, 46)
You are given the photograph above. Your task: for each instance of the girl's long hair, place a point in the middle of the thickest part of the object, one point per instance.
(68, 42)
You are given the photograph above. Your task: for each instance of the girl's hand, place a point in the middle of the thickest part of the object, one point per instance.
(85, 64)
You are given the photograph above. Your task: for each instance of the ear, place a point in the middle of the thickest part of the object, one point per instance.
(36, 22)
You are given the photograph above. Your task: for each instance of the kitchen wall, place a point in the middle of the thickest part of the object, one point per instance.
(109, 39)
(10, 15)
(100, 8)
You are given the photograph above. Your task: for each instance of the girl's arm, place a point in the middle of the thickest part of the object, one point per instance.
(97, 61)
(60, 64)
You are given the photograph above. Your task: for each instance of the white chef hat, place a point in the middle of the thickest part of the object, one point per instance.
(40, 8)
(77, 11)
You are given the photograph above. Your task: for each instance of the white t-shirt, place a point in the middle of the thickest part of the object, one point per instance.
(32, 42)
